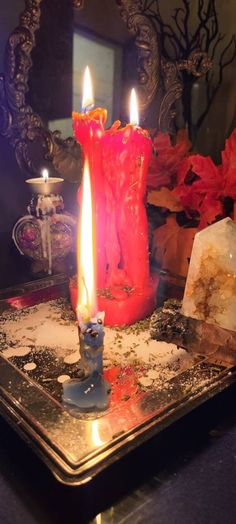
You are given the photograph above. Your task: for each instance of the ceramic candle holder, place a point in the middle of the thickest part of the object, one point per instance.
(46, 234)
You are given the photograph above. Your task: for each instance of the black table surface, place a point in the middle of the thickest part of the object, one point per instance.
(187, 474)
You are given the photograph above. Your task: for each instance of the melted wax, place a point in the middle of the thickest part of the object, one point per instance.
(92, 392)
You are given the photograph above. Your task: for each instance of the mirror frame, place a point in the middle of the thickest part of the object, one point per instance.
(22, 126)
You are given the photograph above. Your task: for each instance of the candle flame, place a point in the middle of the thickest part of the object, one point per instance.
(134, 116)
(88, 98)
(45, 174)
(86, 253)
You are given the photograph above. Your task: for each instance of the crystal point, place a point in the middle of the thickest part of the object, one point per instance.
(210, 292)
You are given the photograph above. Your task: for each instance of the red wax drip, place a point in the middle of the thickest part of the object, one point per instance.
(126, 154)
(89, 130)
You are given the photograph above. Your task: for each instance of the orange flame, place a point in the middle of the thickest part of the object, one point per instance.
(134, 116)
(86, 252)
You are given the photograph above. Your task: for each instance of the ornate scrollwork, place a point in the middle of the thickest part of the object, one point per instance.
(78, 4)
(152, 67)
(173, 92)
(148, 59)
(197, 64)
(34, 144)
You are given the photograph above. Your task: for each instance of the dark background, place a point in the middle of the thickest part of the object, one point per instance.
(186, 475)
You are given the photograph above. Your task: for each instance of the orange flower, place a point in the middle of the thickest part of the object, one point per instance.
(167, 158)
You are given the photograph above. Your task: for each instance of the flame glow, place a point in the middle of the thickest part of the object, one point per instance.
(88, 98)
(134, 116)
(95, 434)
(45, 174)
(86, 252)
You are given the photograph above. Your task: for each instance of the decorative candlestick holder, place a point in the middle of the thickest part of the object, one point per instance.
(46, 234)
(91, 393)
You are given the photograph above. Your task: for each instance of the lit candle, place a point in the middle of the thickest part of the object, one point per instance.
(89, 131)
(91, 393)
(45, 185)
(130, 292)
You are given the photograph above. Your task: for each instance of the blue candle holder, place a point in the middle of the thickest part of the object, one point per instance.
(92, 392)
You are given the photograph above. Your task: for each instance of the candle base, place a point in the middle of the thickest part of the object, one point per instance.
(46, 235)
(121, 306)
(90, 394)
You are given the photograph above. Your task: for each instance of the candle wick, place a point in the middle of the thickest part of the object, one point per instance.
(87, 108)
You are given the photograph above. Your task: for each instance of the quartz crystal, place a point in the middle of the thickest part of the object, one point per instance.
(210, 292)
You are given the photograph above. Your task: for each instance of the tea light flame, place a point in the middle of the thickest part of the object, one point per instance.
(86, 307)
(134, 116)
(45, 175)
(88, 98)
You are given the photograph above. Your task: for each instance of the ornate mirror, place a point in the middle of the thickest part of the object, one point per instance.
(38, 93)
(163, 50)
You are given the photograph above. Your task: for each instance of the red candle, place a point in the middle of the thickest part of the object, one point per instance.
(130, 292)
(89, 131)
(126, 154)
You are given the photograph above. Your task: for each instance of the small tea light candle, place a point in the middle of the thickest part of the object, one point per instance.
(45, 185)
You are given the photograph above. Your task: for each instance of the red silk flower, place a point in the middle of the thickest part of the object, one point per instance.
(166, 158)
(200, 186)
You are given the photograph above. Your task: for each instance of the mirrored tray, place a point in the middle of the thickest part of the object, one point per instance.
(76, 447)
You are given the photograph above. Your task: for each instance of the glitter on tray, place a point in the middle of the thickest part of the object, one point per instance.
(47, 335)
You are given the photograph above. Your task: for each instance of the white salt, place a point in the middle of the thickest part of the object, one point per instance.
(30, 366)
(43, 327)
(16, 352)
(63, 378)
(72, 358)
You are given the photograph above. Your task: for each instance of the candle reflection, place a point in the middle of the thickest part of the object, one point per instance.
(96, 435)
